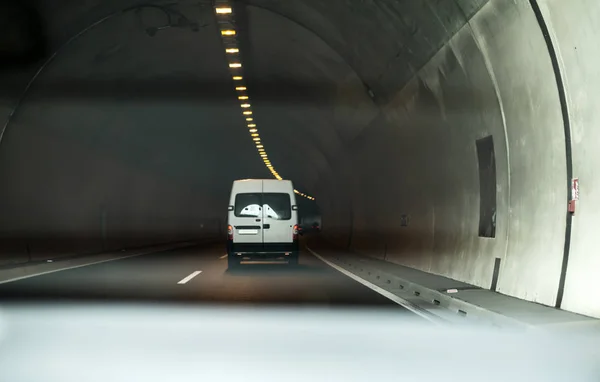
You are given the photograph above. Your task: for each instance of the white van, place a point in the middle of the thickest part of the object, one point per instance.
(262, 221)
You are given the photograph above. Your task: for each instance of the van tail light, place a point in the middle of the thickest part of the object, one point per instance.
(229, 232)
(295, 232)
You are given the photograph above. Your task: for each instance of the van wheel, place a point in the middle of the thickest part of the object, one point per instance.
(233, 262)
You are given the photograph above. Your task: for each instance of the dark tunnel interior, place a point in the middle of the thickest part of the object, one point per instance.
(439, 135)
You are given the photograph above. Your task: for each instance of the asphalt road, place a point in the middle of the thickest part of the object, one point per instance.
(200, 274)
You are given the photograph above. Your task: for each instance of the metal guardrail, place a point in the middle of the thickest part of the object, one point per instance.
(393, 283)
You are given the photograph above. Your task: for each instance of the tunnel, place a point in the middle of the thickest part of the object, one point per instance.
(446, 136)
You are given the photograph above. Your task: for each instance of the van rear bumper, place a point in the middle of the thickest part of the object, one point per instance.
(267, 251)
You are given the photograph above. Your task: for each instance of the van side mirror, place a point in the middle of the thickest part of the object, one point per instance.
(294, 208)
(230, 208)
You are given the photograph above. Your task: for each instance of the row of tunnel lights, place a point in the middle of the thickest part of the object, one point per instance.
(228, 33)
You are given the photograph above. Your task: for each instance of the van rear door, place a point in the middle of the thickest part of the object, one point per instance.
(246, 217)
(278, 216)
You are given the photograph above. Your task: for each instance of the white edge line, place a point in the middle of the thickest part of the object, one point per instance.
(224, 256)
(188, 278)
(398, 300)
(81, 266)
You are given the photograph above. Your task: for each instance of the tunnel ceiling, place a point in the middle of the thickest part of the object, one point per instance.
(318, 72)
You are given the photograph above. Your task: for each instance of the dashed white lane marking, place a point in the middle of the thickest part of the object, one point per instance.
(224, 256)
(187, 279)
(397, 299)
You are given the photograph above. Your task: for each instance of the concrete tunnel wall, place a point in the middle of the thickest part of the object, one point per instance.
(494, 77)
(112, 146)
(416, 156)
(441, 77)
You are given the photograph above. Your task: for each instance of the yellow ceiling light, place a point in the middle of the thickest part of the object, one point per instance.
(223, 10)
(232, 49)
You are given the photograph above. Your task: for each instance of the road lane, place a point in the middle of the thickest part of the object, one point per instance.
(159, 276)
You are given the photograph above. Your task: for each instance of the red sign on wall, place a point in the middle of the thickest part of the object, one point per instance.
(575, 189)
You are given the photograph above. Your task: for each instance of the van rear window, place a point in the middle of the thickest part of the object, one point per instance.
(277, 206)
(274, 205)
(248, 205)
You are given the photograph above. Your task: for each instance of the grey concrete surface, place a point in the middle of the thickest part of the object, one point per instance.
(468, 90)
(579, 54)
(372, 107)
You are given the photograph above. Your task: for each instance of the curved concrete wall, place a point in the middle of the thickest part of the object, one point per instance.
(574, 30)
(109, 147)
(474, 87)
(494, 77)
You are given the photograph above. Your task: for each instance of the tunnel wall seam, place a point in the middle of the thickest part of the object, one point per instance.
(573, 26)
(554, 57)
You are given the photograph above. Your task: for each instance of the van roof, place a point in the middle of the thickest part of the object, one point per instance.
(264, 180)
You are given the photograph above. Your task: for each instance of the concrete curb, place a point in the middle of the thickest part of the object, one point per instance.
(392, 282)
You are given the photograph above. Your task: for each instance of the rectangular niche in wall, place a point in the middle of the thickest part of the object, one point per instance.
(487, 187)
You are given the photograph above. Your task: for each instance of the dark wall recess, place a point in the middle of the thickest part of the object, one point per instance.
(487, 187)
(496, 274)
